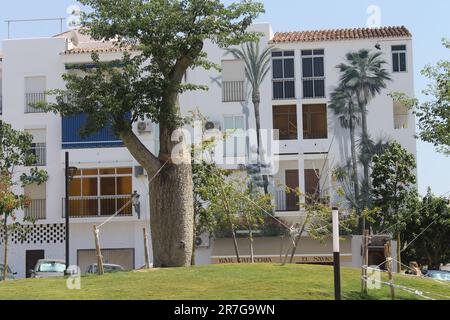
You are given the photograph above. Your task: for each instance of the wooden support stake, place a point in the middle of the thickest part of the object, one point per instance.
(365, 261)
(100, 270)
(388, 257)
(147, 259)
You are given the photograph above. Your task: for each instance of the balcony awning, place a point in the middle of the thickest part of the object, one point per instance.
(268, 250)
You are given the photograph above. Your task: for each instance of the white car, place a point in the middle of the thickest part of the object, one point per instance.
(46, 268)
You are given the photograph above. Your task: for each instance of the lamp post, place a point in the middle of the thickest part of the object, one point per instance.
(336, 255)
(136, 203)
(69, 174)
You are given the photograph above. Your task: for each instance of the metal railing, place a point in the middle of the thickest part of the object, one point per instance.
(1, 104)
(286, 201)
(31, 99)
(315, 92)
(98, 206)
(36, 210)
(40, 152)
(233, 91)
(283, 89)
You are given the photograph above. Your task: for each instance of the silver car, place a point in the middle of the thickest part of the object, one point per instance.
(46, 268)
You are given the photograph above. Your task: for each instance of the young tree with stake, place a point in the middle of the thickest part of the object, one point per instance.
(15, 151)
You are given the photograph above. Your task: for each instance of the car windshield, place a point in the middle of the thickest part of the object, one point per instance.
(107, 268)
(51, 266)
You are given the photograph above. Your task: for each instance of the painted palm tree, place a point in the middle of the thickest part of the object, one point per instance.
(257, 66)
(345, 107)
(364, 72)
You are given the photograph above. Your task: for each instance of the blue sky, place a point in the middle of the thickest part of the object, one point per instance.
(427, 20)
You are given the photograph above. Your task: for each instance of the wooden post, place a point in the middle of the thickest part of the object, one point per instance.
(365, 261)
(100, 270)
(147, 259)
(388, 257)
(5, 252)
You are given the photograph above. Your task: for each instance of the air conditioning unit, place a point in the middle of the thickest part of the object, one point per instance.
(203, 241)
(139, 171)
(212, 125)
(144, 127)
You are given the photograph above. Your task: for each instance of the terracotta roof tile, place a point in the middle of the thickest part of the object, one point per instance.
(341, 34)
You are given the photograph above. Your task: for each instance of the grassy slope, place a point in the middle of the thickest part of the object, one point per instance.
(261, 281)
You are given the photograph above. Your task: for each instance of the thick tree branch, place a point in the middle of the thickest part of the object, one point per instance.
(140, 152)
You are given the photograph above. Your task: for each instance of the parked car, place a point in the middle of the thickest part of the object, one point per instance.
(438, 275)
(46, 268)
(9, 275)
(107, 268)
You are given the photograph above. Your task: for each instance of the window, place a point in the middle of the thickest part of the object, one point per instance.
(39, 146)
(313, 73)
(315, 124)
(235, 136)
(100, 191)
(35, 88)
(233, 81)
(283, 75)
(285, 120)
(399, 58)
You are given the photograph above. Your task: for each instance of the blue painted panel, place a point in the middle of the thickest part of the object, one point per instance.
(71, 138)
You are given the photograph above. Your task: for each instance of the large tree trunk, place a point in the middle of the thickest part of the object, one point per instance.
(256, 99)
(172, 216)
(171, 198)
(5, 251)
(366, 188)
(172, 201)
(354, 163)
(355, 177)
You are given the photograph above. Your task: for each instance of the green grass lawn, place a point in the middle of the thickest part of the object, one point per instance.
(239, 282)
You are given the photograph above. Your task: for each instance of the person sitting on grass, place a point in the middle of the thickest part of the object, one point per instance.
(414, 269)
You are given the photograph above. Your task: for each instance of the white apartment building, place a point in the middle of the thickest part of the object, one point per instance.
(294, 100)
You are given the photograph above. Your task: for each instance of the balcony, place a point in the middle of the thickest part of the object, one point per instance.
(99, 206)
(313, 87)
(72, 139)
(40, 152)
(31, 99)
(233, 91)
(286, 201)
(36, 210)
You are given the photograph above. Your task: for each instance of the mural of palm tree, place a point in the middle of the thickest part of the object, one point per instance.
(257, 66)
(364, 72)
(344, 105)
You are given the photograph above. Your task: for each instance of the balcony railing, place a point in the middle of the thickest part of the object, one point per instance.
(31, 99)
(287, 201)
(314, 87)
(400, 122)
(36, 210)
(40, 151)
(233, 91)
(99, 206)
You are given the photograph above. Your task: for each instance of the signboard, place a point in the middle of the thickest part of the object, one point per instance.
(316, 259)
